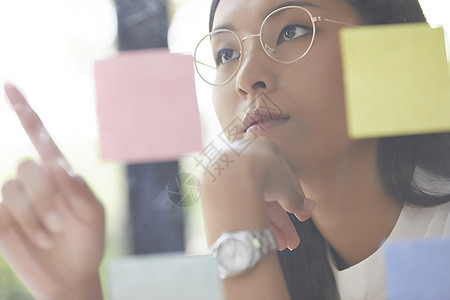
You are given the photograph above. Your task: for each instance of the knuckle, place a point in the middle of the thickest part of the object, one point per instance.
(34, 181)
(239, 159)
(79, 181)
(22, 213)
(33, 226)
(79, 184)
(101, 210)
(262, 148)
(5, 219)
(28, 223)
(42, 193)
(32, 120)
(9, 188)
(25, 167)
(97, 212)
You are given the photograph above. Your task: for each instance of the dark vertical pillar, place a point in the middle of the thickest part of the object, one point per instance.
(157, 224)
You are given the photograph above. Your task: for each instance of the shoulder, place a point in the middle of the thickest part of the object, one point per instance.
(429, 222)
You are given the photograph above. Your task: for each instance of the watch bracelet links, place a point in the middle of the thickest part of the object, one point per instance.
(264, 240)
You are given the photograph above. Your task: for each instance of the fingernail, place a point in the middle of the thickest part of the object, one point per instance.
(44, 240)
(299, 189)
(308, 205)
(54, 222)
(65, 165)
(290, 249)
(6, 84)
(303, 216)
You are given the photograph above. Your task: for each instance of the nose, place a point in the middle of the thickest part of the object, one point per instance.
(256, 72)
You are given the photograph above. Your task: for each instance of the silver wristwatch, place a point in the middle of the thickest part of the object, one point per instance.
(237, 252)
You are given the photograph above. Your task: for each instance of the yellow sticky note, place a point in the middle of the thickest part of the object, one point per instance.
(396, 80)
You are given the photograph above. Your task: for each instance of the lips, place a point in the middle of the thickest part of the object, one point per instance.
(260, 116)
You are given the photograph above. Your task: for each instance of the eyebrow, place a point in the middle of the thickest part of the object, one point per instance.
(290, 3)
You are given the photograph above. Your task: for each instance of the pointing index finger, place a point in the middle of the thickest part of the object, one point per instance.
(36, 131)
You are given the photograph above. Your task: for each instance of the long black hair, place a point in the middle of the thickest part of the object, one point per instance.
(306, 269)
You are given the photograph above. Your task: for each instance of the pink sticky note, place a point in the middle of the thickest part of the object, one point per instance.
(146, 106)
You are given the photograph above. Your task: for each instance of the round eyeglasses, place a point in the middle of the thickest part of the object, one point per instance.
(286, 35)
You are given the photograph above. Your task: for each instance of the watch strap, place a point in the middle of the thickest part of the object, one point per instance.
(263, 240)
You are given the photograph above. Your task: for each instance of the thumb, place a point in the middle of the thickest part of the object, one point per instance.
(76, 192)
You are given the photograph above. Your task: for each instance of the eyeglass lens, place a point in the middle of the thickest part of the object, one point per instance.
(286, 36)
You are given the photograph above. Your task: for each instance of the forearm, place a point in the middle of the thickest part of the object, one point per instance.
(264, 282)
(233, 209)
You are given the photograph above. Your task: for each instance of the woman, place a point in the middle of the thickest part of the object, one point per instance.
(302, 162)
(359, 187)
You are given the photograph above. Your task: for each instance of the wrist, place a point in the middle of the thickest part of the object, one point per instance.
(238, 252)
(89, 288)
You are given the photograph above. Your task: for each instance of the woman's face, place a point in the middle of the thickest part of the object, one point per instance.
(308, 93)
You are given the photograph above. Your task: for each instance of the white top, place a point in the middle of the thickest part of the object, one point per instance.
(367, 279)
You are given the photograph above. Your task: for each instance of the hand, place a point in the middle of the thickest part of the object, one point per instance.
(256, 191)
(52, 226)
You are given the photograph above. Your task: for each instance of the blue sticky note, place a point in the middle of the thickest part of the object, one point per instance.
(418, 270)
(164, 277)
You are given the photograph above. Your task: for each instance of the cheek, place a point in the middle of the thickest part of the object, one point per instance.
(319, 74)
(328, 99)
(331, 87)
(224, 109)
(316, 84)
(317, 87)
(324, 80)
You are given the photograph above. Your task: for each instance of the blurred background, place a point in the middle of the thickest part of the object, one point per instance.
(48, 48)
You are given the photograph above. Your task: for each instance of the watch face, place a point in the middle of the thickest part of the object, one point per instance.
(234, 255)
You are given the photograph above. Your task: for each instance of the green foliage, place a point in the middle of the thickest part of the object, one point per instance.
(11, 288)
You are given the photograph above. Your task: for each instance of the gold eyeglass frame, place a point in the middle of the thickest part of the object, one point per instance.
(267, 49)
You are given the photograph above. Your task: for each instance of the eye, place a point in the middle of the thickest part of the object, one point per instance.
(226, 55)
(292, 31)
